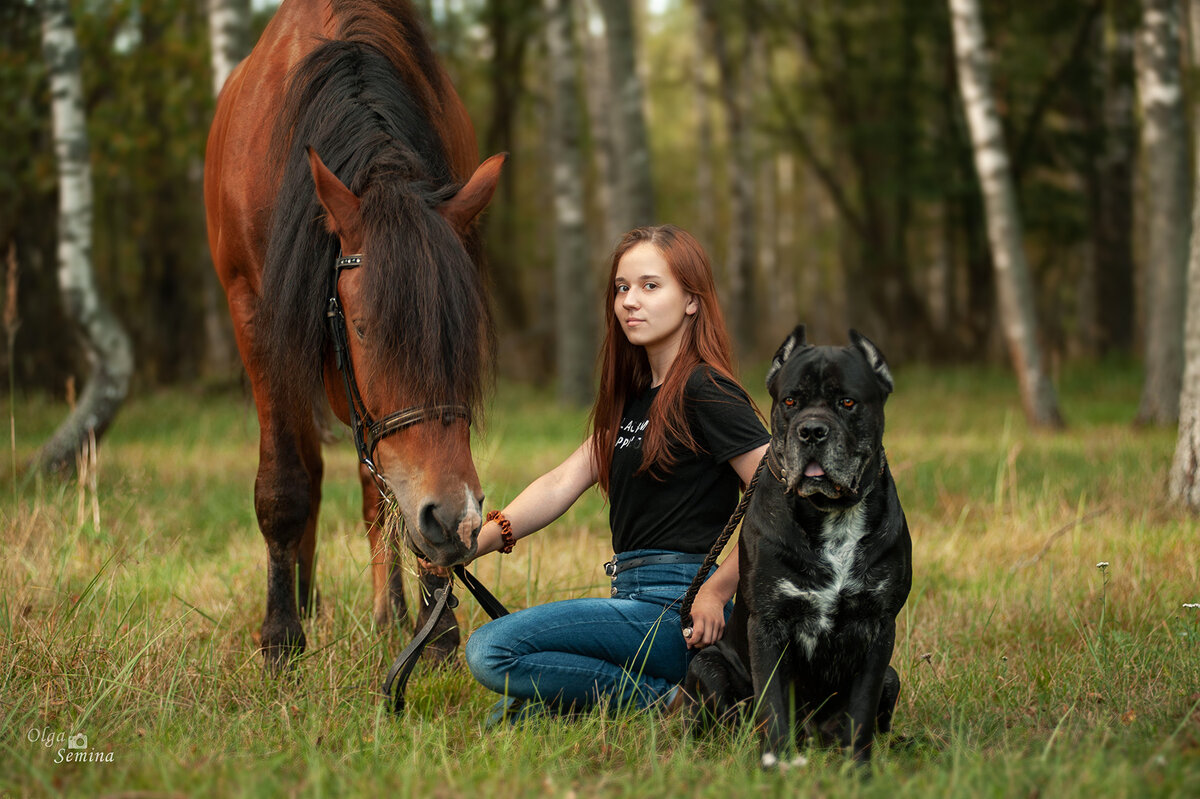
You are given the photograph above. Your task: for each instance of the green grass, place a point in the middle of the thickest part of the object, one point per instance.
(1027, 669)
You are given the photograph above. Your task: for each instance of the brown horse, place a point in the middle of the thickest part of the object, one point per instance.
(341, 134)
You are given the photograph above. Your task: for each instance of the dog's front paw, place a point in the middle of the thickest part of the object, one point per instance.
(770, 762)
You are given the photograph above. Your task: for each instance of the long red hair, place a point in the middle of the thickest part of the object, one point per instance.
(625, 369)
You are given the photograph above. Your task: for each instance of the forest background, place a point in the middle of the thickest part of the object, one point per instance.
(818, 150)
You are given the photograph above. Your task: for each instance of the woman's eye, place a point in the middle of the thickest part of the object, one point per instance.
(847, 403)
(650, 286)
(622, 289)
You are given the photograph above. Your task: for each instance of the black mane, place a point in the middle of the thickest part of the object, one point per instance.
(348, 102)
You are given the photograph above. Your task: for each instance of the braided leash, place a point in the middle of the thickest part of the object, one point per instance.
(685, 612)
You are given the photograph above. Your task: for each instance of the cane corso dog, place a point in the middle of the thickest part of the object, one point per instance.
(825, 563)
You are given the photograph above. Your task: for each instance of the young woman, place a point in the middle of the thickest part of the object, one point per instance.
(673, 437)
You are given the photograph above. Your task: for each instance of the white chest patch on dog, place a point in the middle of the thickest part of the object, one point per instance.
(843, 532)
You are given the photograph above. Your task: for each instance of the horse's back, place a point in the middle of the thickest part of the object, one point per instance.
(239, 185)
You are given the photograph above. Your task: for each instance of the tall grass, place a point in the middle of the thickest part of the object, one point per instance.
(130, 601)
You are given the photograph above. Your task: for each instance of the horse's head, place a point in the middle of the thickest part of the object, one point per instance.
(416, 340)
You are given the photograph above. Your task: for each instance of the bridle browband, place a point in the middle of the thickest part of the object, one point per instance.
(368, 432)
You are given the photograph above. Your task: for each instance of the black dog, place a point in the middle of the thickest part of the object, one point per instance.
(825, 562)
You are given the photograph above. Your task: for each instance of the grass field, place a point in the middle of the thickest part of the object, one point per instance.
(130, 601)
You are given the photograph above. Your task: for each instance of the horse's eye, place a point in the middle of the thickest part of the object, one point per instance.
(359, 329)
(847, 403)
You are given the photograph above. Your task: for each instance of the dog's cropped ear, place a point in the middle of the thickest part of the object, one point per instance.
(793, 342)
(874, 359)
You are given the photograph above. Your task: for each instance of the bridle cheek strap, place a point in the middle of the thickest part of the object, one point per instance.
(367, 431)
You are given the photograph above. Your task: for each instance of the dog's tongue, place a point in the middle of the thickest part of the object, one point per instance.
(813, 469)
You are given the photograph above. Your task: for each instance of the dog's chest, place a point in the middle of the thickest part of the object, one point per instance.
(831, 586)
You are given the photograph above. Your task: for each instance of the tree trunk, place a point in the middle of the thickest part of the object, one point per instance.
(742, 308)
(104, 341)
(1164, 147)
(229, 43)
(705, 183)
(572, 278)
(600, 110)
(635, 203)
(228, 36)
(1184, 482)
(510, 28)
(1013, 280)
(1113, 238)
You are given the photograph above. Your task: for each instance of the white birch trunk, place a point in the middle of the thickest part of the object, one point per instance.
(1184, 482)
(1164, 148)
(1013, 282)
(228, 36)
(572, 278)
(105, 343)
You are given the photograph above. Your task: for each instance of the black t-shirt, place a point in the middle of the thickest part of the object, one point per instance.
(685, 509)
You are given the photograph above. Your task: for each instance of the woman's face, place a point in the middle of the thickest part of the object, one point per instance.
(651, 305)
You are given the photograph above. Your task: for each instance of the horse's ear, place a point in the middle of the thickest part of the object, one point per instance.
(341, 206)
(464, 208)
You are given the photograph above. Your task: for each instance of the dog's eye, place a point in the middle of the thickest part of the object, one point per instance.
(847, 403)
(789, 401)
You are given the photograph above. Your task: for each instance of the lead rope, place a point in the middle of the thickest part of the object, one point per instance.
(685, 611)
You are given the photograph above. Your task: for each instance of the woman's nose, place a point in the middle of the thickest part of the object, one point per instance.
(629, 300)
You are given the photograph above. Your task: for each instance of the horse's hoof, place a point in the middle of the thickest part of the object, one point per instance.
(280, 645)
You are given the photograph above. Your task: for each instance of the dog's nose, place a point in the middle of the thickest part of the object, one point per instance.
(813, 431)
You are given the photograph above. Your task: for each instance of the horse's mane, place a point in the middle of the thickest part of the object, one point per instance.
(366, 106)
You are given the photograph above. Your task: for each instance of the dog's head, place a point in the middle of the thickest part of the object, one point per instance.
(827, 417)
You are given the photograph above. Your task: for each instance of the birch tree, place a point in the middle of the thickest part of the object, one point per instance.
(228, 36)
(229, 43)
(1184, 481)
(103, 339)
(634, 205)
(1013, 281)
(572, 278)
(1164, 149)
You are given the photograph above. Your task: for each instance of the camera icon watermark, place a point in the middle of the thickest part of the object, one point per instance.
(77, 741)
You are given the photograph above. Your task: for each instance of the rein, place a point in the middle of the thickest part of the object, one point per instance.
(397, 676)
(367, 431)
(685, 610)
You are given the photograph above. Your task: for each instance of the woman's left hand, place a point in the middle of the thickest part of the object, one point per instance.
(708, 620)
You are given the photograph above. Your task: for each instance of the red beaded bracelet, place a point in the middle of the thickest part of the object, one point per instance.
(506, 533)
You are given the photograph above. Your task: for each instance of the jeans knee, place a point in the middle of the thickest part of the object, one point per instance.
(487, 661)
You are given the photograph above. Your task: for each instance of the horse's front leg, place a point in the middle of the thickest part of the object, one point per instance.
(387, 579)
(287, 496)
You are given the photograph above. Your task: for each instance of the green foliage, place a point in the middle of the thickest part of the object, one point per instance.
(131, 602)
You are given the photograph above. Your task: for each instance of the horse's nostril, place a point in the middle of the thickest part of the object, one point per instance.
(432, 527)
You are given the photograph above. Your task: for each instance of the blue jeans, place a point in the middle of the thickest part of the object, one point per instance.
(577, 652)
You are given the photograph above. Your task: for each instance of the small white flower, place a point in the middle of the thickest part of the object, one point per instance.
(1193, 605)
(1102, 564)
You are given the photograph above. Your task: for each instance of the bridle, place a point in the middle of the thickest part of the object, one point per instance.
(368, 432)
